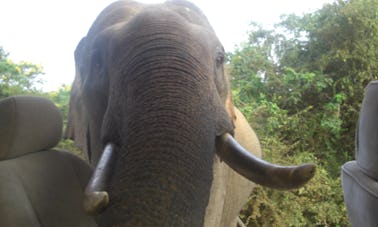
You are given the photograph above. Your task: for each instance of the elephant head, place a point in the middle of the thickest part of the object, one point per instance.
(150, 88)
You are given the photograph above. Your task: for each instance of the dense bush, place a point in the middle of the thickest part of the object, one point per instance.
(301, 87)
(297, 135)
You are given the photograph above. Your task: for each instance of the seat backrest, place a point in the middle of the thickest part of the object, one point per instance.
(38, 186)
(367, 136)
(28, 124)
(360, 177)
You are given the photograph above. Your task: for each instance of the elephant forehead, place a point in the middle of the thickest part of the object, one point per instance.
(179, 21)
(190, 12)
(123, 11)
(163, 33)
(161, 19)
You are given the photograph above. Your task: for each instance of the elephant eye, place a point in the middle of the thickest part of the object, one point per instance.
(220, 59)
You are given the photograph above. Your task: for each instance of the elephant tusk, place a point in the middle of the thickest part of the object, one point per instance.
(260, 171)
(96, 199)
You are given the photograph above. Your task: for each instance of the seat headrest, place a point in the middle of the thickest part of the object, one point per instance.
(28, 124)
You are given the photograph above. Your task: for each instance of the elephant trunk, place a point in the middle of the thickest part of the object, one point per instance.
(163, 169)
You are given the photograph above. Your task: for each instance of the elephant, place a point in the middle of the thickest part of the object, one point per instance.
(151, 105)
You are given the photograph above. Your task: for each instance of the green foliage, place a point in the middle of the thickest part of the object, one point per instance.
(293, 129)
(297, 123)
(61, 99)
(301, 87)
(310, 205)
(18, 78)
(341, 43)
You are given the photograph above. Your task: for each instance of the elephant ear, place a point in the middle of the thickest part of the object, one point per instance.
(75, 111)
(230, 109)
(245, 135)
(224, 116)
(88, 97)
(77, 124)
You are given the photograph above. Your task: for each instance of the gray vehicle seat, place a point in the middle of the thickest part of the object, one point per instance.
(38, 186)
(360, 177)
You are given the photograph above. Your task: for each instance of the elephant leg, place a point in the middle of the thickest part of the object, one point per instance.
(245, 135)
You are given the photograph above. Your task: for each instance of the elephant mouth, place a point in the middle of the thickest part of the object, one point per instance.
(96, 197)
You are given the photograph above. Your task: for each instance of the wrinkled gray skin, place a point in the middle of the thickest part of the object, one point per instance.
(150, 79)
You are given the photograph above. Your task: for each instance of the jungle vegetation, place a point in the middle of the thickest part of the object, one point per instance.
(300, 84)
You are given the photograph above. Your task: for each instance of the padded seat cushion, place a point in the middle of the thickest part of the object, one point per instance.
(44, 189)
(360, 195)
(28, 124)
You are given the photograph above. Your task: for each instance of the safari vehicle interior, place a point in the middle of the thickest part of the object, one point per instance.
(39, 186)
(360, 177)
